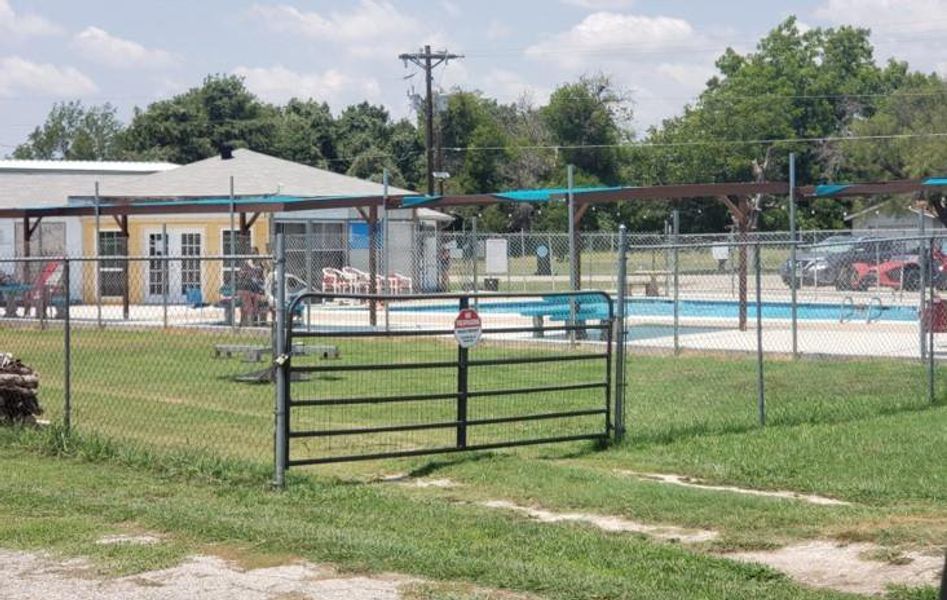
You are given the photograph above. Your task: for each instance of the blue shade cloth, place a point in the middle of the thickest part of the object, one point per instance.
(548, 194)
(540, 195)
(413, 201)
(827, 190)
(936, 181)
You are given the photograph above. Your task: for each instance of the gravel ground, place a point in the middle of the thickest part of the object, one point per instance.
(28, 576)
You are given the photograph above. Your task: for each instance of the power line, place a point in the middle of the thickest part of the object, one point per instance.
(757, 142)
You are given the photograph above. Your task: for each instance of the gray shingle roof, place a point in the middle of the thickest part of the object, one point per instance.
(253, 173)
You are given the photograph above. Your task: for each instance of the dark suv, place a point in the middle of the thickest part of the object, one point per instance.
(830, 261)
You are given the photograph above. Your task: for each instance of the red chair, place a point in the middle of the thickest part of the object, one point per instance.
(46, 285)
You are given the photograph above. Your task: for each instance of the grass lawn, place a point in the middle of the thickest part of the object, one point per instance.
(856, 430)
(65, 505)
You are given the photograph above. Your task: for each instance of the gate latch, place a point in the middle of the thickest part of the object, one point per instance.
(281, 360)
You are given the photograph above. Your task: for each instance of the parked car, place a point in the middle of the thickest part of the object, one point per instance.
(901, 272)
(819, 264)
(831, 262)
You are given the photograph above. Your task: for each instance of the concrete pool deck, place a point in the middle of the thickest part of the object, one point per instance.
(889, 339)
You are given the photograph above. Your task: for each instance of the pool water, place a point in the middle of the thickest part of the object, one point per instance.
(660, 307)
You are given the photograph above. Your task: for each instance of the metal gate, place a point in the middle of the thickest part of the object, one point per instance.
(372, 377)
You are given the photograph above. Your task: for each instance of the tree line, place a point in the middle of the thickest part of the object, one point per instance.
(819, 93)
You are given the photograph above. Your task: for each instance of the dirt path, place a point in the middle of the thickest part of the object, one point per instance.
(28, 576)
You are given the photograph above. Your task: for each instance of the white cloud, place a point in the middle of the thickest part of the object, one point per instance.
(278, 84)
(610, 35)
(498, 29)
(600, 4)
(451, 8)
(101, 46)
(372, 28)
(24, 25)
(18, 76)
(688, 75)
(908, 16)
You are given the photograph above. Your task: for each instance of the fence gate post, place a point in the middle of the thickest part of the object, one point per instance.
(760, 389)
(67, 350)
(620, 335)
(462, 385)
(281, 365)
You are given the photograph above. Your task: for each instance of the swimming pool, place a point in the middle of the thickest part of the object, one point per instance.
(660, 307)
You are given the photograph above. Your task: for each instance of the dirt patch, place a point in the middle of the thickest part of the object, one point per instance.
(685, 481)
(405, 479)
(30, 577)
(133, 540)
(610, 523)
(847, 568)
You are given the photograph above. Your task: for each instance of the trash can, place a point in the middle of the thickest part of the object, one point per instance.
(491, 284)
(543, 260)
(935, 316)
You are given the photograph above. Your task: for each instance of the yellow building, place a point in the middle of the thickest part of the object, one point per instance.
(239, 174)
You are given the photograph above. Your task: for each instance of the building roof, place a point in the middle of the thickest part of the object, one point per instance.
(45, 183)
(253, 174)
(84, 166)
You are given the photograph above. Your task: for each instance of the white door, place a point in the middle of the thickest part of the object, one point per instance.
(174, 278)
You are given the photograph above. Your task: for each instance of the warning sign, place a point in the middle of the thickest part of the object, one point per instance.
(467, 328)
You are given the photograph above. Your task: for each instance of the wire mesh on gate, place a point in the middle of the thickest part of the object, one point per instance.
(537, 370)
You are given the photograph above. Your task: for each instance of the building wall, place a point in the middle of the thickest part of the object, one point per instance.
(211, 228)
(907, 221)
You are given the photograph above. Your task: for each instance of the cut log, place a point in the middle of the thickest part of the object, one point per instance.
(19, 385)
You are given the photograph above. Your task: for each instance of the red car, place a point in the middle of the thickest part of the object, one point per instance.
(898, 272)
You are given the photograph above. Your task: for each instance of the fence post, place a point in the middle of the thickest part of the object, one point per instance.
(760, 390)
(930, 322)
(281, 439)
(793, 283)
(166, 273)
(922, 286)
(98, 259)
(67, 349)
(620, 335)
(675, 256)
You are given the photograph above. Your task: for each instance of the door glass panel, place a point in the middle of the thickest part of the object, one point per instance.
(190, 267)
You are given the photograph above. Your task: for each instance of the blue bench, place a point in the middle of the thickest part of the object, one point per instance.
(588, 307)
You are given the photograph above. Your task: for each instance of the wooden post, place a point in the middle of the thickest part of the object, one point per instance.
(126, 300)
(741, 213)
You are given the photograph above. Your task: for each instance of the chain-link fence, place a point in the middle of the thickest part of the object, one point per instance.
(163, 352)
(734, 335)
(176, 352)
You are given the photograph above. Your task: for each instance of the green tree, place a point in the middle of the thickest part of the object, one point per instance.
(592, 112)
(193, 125)
(75, 132)
(795, 85)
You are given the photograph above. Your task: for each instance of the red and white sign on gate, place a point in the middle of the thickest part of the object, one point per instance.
(467, 328)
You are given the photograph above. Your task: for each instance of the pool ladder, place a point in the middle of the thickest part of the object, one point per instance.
(850, 310)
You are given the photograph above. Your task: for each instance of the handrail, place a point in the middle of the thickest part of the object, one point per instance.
(848, 302)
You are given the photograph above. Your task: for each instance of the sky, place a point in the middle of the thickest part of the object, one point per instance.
(130, 53)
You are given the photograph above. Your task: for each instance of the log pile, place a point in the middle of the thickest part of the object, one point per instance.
(18, 388)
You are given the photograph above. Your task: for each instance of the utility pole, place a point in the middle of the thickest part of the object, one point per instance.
(428, 61)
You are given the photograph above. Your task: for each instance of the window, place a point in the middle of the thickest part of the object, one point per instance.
(112, 272)
(190, 267)
(157, 269)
